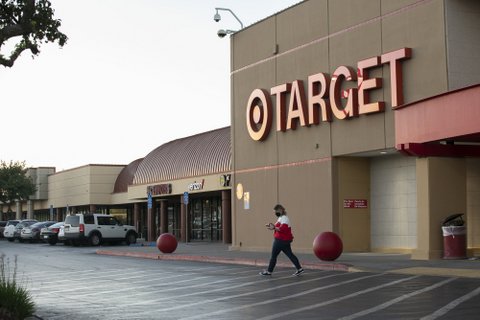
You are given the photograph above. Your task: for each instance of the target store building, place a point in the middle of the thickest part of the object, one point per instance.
(361, 117)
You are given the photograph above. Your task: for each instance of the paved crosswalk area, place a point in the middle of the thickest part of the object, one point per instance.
(175, 290)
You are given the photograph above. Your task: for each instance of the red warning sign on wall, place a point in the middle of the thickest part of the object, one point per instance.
(355, 203)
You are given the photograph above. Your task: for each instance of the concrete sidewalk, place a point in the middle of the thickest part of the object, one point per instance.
(373, 262)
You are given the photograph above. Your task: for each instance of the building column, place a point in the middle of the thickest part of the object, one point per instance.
(29, 209)
(226, 216)
(59, 214)
(151, 222)
(183, 221)
(18, 213)
(163, 216)
(93, 208)
(441, 191)
(136, 217)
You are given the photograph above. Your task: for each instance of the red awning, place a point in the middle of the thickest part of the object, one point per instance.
(443, 125)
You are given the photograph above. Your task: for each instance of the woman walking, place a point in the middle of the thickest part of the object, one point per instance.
(283, 237)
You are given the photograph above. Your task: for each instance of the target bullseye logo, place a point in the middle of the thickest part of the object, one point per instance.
(259, 114)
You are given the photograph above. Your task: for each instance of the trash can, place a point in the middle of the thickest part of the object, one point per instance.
(454, 237)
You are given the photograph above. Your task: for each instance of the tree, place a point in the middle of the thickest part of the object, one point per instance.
(30, 23)
(14, 183)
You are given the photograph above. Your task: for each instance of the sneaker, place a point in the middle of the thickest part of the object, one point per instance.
(265, 273)
(298, 272)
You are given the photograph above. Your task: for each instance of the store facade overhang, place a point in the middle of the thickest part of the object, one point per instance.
(446, 125)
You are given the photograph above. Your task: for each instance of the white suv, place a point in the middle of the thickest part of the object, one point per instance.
(8, 232)
(96, 228)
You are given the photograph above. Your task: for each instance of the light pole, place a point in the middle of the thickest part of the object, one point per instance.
(222, 33)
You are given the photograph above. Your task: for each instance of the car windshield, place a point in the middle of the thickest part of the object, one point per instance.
(24, 224)
(48, 223)
(56, 225)
(37, 225)
(12, 223)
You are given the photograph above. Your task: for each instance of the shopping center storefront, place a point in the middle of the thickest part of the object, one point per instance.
(327, 96)
(182, 187)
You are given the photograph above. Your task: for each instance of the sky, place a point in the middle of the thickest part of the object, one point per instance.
(133, 76)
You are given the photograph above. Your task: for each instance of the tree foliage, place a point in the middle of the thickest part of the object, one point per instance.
(30, 23)
(14, 183)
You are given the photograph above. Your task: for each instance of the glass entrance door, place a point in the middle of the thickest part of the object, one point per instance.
(174, 223)
(206, 219)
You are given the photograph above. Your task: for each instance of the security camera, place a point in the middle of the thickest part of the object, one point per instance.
(217, 17)
(221, 33)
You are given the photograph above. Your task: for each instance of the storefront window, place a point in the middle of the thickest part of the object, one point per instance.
(174, 220)
(120, 215)
(206, 219)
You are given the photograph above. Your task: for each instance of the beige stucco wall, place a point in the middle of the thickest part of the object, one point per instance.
(463, 42)
(441, 191)
(121, 198)
(393, 203)
(311, 37)
(35, 205)
(90, 184)
(39, 177)
(353, 176)
(473, 205)
(305, 191)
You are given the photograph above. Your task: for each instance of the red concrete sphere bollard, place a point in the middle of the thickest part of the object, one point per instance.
(327, 246)
(167, 243)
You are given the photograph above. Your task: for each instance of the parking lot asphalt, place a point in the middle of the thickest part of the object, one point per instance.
(372, 262)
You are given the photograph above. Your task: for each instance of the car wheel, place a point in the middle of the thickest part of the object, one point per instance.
(95, 239)
(11, 239)
(52, 242)
(130, 238)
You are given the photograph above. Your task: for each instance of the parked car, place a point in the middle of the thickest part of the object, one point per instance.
(32, 232)
(18, 229)
(2, 227)
(9, 230)
(95, 228)
(61, 236)
(50, 234)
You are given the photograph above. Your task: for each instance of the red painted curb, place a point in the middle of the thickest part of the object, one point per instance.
(210, 259)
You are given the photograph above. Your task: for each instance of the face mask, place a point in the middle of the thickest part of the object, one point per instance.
(278, 213)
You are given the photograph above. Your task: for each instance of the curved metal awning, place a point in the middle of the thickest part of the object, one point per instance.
(201, 154)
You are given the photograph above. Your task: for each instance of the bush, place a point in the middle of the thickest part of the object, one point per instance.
(15, 300)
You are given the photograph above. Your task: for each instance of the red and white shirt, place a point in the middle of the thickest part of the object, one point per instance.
(284, 229)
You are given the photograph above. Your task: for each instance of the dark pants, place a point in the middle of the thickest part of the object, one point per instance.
(279, 246)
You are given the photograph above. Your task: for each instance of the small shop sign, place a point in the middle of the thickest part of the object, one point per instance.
(159, 189)
(355, 203)
(195, 186)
